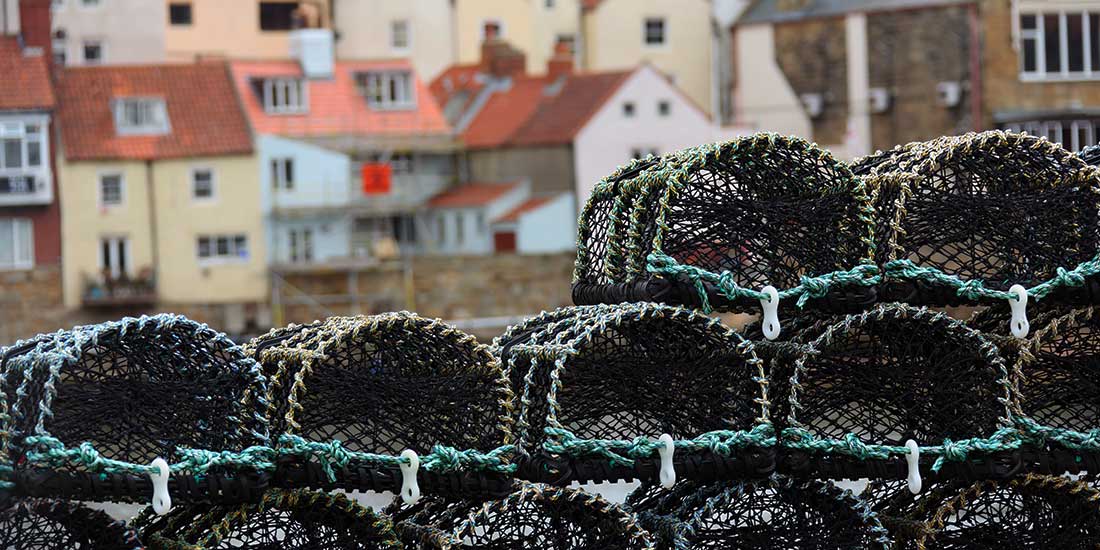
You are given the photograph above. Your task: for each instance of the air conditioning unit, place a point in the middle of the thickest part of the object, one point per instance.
(879, 99)
(949, 93)
(813, 103)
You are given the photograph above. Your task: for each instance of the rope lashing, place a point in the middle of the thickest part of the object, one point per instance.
(623, 453)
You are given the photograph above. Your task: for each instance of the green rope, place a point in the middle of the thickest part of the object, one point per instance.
(976, 289)
(1070, 439)
(808, 287)
(621, 452)
(1004, 439)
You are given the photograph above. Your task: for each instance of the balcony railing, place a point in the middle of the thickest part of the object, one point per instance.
(21, 188)
(122, 291)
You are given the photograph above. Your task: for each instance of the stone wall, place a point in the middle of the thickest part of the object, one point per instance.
(812, 54)
(30, 303)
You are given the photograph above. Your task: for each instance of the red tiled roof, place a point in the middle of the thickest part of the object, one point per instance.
(588, 5)
(505, 111)
(204, 116)
(470, 195)
(26, 80)
(561, 116)
(336, 107)
(514, 214)
(454, 80)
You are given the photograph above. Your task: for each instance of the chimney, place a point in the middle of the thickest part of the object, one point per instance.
(34, 22)
(500, 59)
(561, 64)
(314, 51)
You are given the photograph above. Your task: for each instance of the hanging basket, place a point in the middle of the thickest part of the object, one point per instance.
(1029, 512)
(351, 394)
(962, 219)
(869, 383)
(96, 406)
(287, 520)
(41, 524)
(533, 516)
(596, 400)
(711, 226)
(774, 513)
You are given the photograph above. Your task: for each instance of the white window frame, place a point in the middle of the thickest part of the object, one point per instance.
(112, 261)
(371, 82)
(294, 94)
(664, 31)
(42, 174)
(156, 107)
(1091, 67)
(22, 249)
(301, 245)
(213, 184)
(231, 257)
(121, 188)
(1053, 130)
(102, 52)
(408, 35)
(279, 172)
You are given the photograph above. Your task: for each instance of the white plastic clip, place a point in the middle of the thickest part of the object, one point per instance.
(1020, 325)
(410, 491)
(913, 460)
(162, 501)
(668, 472)
(770, 324)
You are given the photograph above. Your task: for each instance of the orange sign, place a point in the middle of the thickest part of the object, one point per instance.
(377, 178)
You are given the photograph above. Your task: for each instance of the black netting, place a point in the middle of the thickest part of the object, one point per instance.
(533, 516)
(55, 525)
(1032, 512)
(291, 520)
(775, 513)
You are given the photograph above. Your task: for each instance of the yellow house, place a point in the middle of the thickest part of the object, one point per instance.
(252, 29)
(160, 194)
(531, 26)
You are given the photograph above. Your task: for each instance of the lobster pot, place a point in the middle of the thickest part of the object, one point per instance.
(1091, 155)
(349, 395)
(43, 524)
(288, 520)
(98, 405)
(711, 225)
(962, 219)
(1030, 512)
(532, 516)
(774, 513)
(865, 386)
(595, 404)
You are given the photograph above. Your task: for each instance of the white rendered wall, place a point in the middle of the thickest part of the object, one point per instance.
(132, 31)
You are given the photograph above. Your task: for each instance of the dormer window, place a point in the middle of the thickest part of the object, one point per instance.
(285, 95)
(141, 116)
(387, 89)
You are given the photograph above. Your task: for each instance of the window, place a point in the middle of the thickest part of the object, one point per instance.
(642, 152)
(140, 116)
(1073, 134)
(664, 107)
(22, 146)
(441, 229)
(114, 256)
(223, 247)
(399, 35)
(111, 189)
(58, 45)
(628, 109)
(16, 243)
(202, 184)
(1059, 44)
(301, 245)
(282, 174)
(401, 163)
(179, 13)
(550, 4)
(491, 28)
(654, 31)
(387, 89)
(93, 52)
(279, 16)
(90, 3)
(285, 95)
(460, 229)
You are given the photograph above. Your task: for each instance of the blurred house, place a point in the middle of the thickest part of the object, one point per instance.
(859, 75)
(161, 198)
(1041, 67)
(238, 29)
(101, 32)
(421, 31)
(564, 130)
(350, 152)
(534, 27)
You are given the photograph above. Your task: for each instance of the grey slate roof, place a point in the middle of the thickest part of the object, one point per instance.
(768, 11)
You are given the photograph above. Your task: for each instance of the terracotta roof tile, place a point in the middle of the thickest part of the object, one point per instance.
(336, 107)
(454, 80)
(505, 112)
(559, 117)
(203, 112)
(26, 80)
(470, 195)
(528, 206)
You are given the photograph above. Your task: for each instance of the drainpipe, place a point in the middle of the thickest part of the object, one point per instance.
(154, 244)
(975, 68)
